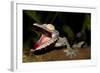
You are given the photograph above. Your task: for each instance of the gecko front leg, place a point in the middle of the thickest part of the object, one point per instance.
(62, 41)
(72, 51)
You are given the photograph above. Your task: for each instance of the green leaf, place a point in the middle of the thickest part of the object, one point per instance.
(34, 15)
(87, 23)
(69, 32)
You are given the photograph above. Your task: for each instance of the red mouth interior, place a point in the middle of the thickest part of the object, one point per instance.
(41, 41)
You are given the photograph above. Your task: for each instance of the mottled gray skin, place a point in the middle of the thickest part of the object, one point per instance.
(61, 41)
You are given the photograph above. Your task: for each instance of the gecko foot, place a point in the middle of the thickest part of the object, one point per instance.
(71, 52)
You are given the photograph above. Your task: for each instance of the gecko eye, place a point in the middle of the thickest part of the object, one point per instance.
(50, 27)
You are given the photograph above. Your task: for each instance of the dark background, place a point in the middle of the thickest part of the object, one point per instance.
(75, 26)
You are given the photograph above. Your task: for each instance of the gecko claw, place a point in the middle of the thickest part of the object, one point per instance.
(71, 52)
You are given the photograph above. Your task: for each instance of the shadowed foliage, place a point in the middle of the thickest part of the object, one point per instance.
(74, 26)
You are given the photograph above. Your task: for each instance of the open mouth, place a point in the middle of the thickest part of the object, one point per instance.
(43, 39)
(46, 38)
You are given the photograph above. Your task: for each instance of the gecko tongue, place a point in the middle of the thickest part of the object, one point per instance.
(42, 39)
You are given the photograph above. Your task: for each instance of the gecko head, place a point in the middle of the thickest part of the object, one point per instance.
(46, 37)
(45, 27)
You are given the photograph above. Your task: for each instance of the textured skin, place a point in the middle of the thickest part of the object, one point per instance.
(53, 39)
